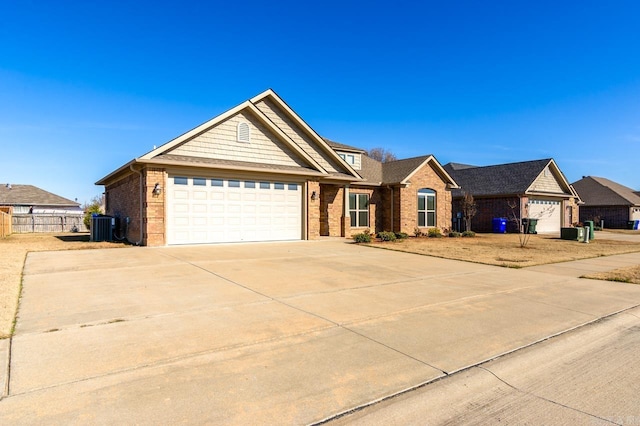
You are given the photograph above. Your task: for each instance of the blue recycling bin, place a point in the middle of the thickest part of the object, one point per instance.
(499, 225)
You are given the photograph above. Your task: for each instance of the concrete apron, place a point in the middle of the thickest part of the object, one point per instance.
(267, 333)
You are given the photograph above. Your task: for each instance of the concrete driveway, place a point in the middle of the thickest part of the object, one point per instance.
(267, 333)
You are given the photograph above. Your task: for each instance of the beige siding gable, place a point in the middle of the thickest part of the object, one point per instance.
(291, 129)
(221, 142)
(547, 182)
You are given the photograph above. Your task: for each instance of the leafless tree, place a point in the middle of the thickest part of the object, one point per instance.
(469, 209)
(381, 154)
(523, 234)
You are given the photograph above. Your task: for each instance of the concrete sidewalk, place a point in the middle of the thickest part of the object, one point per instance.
(267, 333)
(586, 376)
(579, 268)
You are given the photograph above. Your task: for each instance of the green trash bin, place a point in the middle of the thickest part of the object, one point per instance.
(589, 224)
(529, 225)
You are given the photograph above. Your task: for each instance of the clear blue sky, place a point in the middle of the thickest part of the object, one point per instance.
(87, 86)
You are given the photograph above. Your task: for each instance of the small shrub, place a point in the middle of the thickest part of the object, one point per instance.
(94, 206)
(454, 234)
(468, 234)
(402, 235)
(417, 232)
(434, 233)
(362, 237)
(387, 236)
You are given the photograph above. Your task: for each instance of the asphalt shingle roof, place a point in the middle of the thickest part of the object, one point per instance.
(598, 191)
(501, 179)
(399, 170)
(30, 195)
(341, 146)
(370, 169)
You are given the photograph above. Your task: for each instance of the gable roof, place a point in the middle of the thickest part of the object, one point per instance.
(160, 155)
(399, 171)
(459, 166)
(502, 179)
(342, 147)
(599, 191)
(29, 195)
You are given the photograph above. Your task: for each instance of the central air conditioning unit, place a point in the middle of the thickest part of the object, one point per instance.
(102, 228)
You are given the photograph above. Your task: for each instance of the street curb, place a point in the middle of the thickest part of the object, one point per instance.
(5, 348)
(462, 369)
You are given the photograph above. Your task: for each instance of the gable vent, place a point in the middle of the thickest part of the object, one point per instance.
(243, 132)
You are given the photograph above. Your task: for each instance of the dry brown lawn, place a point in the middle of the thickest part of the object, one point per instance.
(13, 252)
(630, 274)
(505, 249)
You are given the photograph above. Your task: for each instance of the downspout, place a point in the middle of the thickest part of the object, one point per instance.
(137, 243)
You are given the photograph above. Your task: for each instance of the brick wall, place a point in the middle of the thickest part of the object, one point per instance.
(375, 210)
(488, 209)
(331, 210)
(407, 219)
(313, 211)
(571, 213)
(155, 207)
(123, 200)
(615, 217)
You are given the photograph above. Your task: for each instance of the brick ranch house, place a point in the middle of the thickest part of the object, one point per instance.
(609, 201)
(537, 189)
(258, 172)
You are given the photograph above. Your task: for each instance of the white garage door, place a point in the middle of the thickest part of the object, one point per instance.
(215, 210)
(548, 213)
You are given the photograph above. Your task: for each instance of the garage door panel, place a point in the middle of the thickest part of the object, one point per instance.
(232, 210)
(548, 212)
(180, 195)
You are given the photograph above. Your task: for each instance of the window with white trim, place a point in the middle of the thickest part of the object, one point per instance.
(349, 158)
(359, 210)
(243, 132)
(426, 207)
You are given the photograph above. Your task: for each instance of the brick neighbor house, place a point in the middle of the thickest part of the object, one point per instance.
(258, 172)
(609, 201)
(536, 189)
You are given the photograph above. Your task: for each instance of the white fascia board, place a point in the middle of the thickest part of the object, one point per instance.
(557, 173)
(195, 131)
(312, 133)
(441, 170)
(284, 138)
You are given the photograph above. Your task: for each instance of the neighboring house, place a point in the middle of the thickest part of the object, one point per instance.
(37, 210)
(531, 189)
(258, 172)
(29, 199)
(606, 200)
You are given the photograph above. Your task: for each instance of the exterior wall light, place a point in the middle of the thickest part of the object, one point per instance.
(157, 189)
(314, 195)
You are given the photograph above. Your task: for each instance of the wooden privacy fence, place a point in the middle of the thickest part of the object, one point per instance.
(5, 223)
(22, 224)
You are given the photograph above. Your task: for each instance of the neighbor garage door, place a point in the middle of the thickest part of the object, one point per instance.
(215, 210)
(548, 212)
